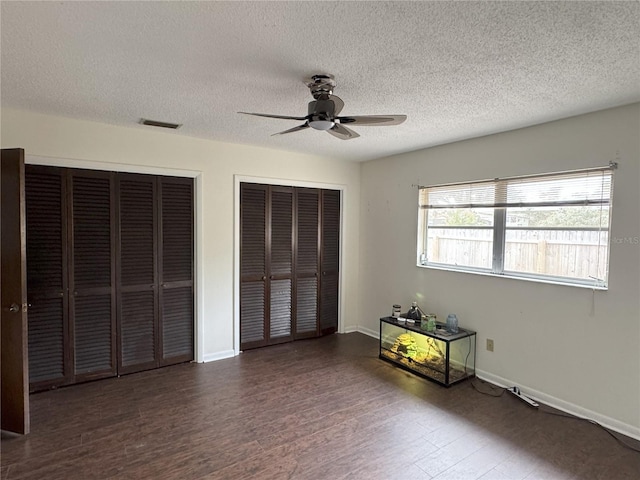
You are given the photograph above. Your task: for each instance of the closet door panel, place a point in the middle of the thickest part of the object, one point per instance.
(177, 230)
(330, 254)
(46, 343)
(280, 311)
(281, 251)
(137, 330)
(280, 262)
(137, 232)
(254, 301)
(177, 324)
(92, 306)
(252, 308)
(176, 270)
(91, 215)
(253, 203)
(307, 255)
(93, 334)
(47, 284)
(306, 307)
(137, 279)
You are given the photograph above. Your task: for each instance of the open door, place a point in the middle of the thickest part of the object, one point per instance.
(13, 275)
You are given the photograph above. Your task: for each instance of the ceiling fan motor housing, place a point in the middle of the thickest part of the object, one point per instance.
(321, 86)
(322, 114)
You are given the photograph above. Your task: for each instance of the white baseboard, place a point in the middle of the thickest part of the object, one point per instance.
(212, 357)
(567, 407)
(350, 329)
(367, 331)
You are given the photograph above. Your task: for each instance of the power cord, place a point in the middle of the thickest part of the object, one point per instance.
(593, 422)
(544, 409)
(492, 388)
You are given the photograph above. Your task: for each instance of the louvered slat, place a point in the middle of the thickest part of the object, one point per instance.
(46, 340)
(307, 304)
(253, 218)
(136, 231)
(281, 232)
(307, 245)
(252, 307)
(92, 322)
(280, 312)
(137, 329)
(43, 192)
(177, 322)
(91, 231)
(177, 231)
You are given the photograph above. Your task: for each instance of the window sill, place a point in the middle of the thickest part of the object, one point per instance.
(512, 277)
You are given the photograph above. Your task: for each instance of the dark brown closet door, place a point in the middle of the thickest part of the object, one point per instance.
(307, 255)
(253, 266)
(280, 264)
(137, 273)
(176, 270)
(47, 278)
(330, 252)
(92, 283)
(14, 375)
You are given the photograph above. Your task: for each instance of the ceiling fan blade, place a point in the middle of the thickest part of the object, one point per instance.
(294, 129)
(342, 132)
(284, 117)
(373, 119)
(338, 104)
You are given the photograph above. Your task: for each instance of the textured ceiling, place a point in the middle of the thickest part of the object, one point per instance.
(456, 69)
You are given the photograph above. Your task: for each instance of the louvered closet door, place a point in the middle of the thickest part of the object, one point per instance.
(330, 251)
(280, 265)
(307, 253)
(253, 266)
(92, 282)
(137, 273)
(48, 322)
(176, 270)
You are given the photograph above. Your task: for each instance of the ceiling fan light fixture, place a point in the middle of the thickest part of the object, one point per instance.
(321, 124)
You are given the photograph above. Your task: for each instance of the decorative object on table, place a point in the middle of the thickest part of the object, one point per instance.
(395, 311)
(452, 323)
(414, 312)
(431, 322)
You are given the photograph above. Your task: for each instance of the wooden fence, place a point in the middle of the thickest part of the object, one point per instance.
(577, 254)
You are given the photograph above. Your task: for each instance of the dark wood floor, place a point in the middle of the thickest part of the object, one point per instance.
(317, 409)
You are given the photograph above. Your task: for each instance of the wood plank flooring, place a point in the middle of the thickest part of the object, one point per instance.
(317, 409)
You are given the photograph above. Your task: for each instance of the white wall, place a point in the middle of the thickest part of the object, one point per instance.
(568, 346)
(214, 164)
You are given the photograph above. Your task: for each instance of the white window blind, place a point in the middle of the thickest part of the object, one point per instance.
(552, 227)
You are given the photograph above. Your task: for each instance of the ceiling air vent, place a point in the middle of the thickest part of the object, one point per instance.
(155, 123)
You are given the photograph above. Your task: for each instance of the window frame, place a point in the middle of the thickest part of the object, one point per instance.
(500, 205)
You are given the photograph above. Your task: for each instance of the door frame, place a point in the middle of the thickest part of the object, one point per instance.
(198, 274)
(237, 180)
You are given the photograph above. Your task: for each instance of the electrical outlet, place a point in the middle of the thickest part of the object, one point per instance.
(490, 344)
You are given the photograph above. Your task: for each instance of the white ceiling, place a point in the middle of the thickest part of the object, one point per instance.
(456, 69)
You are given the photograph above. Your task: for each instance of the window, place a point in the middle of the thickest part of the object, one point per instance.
(552, 227)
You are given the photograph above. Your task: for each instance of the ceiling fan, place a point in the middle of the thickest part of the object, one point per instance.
(323, 112)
